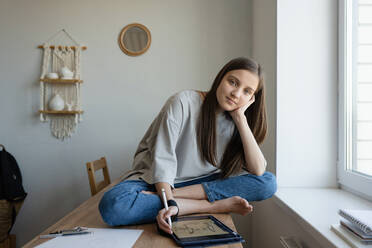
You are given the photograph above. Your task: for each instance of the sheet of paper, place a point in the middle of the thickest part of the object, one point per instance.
(100, 237)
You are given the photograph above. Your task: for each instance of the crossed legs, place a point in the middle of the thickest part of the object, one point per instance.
(193, 199)
(136, 202)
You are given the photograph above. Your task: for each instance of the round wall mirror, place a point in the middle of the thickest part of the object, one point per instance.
(134, 39)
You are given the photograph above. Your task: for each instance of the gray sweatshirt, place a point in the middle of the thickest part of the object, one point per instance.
(168, 152)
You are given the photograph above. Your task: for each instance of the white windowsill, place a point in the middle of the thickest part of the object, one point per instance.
(316, 209)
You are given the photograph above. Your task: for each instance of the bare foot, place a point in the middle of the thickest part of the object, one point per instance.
(234, 204)
(148, 192)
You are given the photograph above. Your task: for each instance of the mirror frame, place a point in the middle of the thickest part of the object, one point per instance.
(121, 36)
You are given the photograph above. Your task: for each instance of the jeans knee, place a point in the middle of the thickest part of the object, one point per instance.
(115, 209)
(106, 209)
(269, 185)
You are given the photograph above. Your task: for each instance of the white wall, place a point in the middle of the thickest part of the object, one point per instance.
(307, 93)
(121, 95)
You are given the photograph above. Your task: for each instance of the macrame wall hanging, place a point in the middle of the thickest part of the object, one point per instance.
(60, 81)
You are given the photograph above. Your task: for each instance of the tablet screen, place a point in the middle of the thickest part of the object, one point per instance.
(196, 228)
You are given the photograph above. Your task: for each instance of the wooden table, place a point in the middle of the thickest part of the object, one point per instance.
(87, 215)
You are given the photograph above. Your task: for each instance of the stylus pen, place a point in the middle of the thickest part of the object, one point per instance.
(166, 205)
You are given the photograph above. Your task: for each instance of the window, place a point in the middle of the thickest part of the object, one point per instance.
(355, 96)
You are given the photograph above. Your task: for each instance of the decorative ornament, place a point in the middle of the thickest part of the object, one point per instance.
(60, 83)
(56, 103)
(66, 73)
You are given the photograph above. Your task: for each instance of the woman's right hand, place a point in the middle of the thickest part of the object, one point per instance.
(162, 218)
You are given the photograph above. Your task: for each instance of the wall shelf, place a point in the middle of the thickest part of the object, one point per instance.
(61, 81)
(63, 112)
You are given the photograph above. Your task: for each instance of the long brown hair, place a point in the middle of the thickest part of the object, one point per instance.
(233, 158)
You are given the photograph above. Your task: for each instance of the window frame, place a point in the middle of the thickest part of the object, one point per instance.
(353, 181)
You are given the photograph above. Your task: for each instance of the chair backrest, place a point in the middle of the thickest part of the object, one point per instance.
(92, 167)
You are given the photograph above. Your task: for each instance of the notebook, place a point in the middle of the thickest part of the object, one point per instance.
(361, 218)
(355, 230)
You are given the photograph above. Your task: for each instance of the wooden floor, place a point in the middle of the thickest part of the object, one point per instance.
(87, 215)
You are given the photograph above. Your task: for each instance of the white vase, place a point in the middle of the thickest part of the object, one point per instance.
(66, 73)
(52, 75)
(56, 103)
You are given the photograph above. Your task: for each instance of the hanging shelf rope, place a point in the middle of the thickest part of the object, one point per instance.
(60, 80)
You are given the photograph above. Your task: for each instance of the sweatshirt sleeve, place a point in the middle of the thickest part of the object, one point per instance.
(164, 158)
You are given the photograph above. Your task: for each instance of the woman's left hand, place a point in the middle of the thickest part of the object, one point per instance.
(239, 112)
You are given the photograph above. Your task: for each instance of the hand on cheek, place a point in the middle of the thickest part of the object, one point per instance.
(239, 112)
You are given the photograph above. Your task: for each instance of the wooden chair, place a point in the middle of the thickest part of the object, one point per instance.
(92, 167)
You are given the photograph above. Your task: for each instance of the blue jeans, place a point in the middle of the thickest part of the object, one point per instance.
(124, 204)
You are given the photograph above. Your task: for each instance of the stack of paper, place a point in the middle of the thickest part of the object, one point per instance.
(100, 237)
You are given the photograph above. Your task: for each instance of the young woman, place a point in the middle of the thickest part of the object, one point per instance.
(202, 148)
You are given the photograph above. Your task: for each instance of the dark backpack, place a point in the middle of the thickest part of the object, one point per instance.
(11, 187)
(12, 193)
